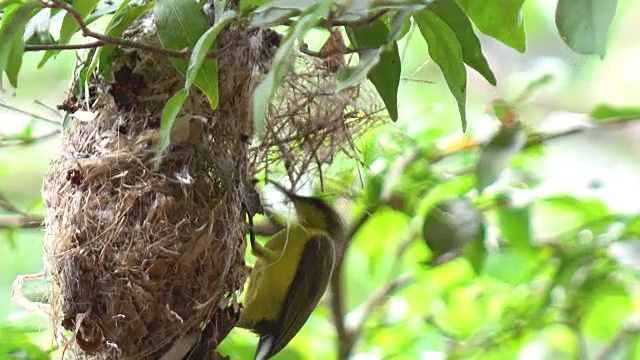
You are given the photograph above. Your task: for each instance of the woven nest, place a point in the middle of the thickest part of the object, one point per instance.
(309, 123)
(141, 255)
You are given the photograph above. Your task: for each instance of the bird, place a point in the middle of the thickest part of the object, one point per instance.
(291, 273)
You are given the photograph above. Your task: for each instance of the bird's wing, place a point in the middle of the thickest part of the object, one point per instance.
(308, 286)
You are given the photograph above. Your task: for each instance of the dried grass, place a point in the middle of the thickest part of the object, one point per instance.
(309, 122)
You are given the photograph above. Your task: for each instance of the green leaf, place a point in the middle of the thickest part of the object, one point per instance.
(451, 13)
(70, 26)
(272, 17)
(354, 75)
(117, 22)
(450, 226)
(515, 226)
(586, 211)
(373, 190)
(180, 24)
(359, 8)
(264, 91)
(532, 86)
(632, 227)
(276, 12)
(476, 252)
(204, 44)
(15, 62)
(102, 11)
(610, 112)
(26, 135)
(6, 3)
(400, 24)
(15, 344)
(169, 114)
(445, 51)
(584, 24)
(300, 6)
(453, 188)
(497, 155)
(12, 29)
(509, 266)
(37, 29)
(27, 132)
(500, 19)
(248, 5)
(385, 75)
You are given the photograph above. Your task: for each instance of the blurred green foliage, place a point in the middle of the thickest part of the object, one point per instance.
(554, 274)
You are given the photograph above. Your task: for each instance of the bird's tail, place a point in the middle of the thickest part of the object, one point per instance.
(265, 345)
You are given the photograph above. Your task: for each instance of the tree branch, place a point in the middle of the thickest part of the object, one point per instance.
(346, 338)
(533, 139)
(28, 140)
(618, 340)
(21, 221)
(86, 32)
(91, 45)
(33, 115)
(102, 39)
(378, 298)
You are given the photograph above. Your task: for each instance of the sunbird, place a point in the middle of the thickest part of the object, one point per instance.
(291, 274)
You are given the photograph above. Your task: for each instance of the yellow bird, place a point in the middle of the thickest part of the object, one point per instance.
(291, 274)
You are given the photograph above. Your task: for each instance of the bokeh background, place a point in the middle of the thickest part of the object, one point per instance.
(601, 164)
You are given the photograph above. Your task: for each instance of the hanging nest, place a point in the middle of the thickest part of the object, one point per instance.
(309, 122)
(141, 256)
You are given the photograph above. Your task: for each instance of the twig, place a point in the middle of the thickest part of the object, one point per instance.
(54, 111)
(30, 140)
(33, 115)
(614, 345)
(583, 349)
(431, 321)
(90, 45)
(304, 48)
(20, 221)
(379, 297)
(9, 206)
(423, 81)
(533, 139)
(102, 39)
(346, 337)
(86, 32)
(410, 238)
